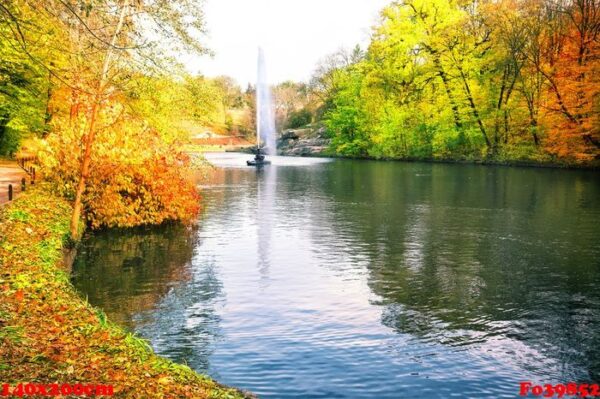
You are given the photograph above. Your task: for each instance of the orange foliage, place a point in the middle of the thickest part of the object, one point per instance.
(124, 195)
(137, 176)
(572, 68)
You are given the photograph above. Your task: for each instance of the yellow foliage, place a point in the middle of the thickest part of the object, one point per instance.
(136, 176)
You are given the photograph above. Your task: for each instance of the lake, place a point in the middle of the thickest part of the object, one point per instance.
(313, 278)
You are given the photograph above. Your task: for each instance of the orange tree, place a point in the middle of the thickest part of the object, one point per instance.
(136, 175)
(101, 46)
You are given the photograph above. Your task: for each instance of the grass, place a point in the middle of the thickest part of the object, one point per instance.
(49, 334)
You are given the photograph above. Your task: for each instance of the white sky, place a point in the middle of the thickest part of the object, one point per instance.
(295, 34)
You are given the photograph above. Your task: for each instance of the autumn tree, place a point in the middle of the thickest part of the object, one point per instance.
(107, 43)
(28, 59)
(295, 104)
(494, 80)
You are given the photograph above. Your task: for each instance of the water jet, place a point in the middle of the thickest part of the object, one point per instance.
(265, 121)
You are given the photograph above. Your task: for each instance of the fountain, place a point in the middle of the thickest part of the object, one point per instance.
(265, 122)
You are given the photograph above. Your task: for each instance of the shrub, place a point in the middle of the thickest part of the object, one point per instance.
(299, 118)
(137, 177)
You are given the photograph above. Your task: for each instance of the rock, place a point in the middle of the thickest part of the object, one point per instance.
(303, 142)
(290, 135)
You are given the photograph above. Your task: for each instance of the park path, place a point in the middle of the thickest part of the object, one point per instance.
(10, 173)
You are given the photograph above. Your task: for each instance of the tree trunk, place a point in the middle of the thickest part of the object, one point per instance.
(475, 110)
(442, 74)
(506, 127)
(89, 141)
(85, 171)
(49, 111)
(3, 122)
(499, 105)
(533, 124)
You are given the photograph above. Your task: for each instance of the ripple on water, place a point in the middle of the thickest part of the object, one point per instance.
(343, 279)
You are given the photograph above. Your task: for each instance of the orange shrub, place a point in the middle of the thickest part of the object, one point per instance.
(137, 176)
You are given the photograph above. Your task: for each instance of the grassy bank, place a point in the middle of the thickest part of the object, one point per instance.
(594, 165)
(49, 334)
(490, 162)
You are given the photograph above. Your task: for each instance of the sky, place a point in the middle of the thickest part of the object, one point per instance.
(295, 35)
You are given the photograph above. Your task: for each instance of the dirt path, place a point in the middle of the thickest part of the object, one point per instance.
(10, 173)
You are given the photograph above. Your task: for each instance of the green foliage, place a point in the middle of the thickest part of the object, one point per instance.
(465, 80)
(347, 119)
(10, 141)
(18, 215)
(23, 87)
(299, 119)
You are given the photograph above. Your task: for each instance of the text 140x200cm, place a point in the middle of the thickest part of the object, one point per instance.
(36, 389)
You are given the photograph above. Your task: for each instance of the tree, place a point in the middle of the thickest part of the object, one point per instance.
(25, 82)
(508, 79)
(108, 40)
(293, 100)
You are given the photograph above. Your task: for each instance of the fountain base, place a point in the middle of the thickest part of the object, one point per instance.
(259, 160)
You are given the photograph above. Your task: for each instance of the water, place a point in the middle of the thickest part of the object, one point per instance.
(355, 279)
(265, 120)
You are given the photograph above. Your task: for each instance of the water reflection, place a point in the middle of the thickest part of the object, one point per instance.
(130, 271)
(364, 279)
(484, 258)
(267, 178)
(186, 323)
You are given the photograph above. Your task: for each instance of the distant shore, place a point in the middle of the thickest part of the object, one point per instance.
(314, 142)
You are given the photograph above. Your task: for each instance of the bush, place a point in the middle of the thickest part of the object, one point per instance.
(127, 195)
(136, 178)
(299, 118)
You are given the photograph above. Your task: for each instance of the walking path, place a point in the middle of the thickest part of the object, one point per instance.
(10, 173)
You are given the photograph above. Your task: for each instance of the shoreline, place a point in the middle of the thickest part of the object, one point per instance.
(484, 162)
(312, 151)
(478, 162)
(50, 334)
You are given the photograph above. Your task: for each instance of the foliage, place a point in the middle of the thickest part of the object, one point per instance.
(129, 184)
(105, 58)
(457, 79)
(24, 85)
(77, 344)
(299, 118)
(295, 104)
(90, 78)
(10, 141)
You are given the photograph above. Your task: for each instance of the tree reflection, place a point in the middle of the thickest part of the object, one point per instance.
(471, 256)
(186, 324)
(133, 270)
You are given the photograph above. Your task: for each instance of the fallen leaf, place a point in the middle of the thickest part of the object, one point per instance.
(164, 380)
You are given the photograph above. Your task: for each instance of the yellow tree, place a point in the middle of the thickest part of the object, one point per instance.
(107, 42)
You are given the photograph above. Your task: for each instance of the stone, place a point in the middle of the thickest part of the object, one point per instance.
(303, 142)
(289, 135)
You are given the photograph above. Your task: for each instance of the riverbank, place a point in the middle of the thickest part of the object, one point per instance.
(450, 161)
(314, 142)
(49, 334)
